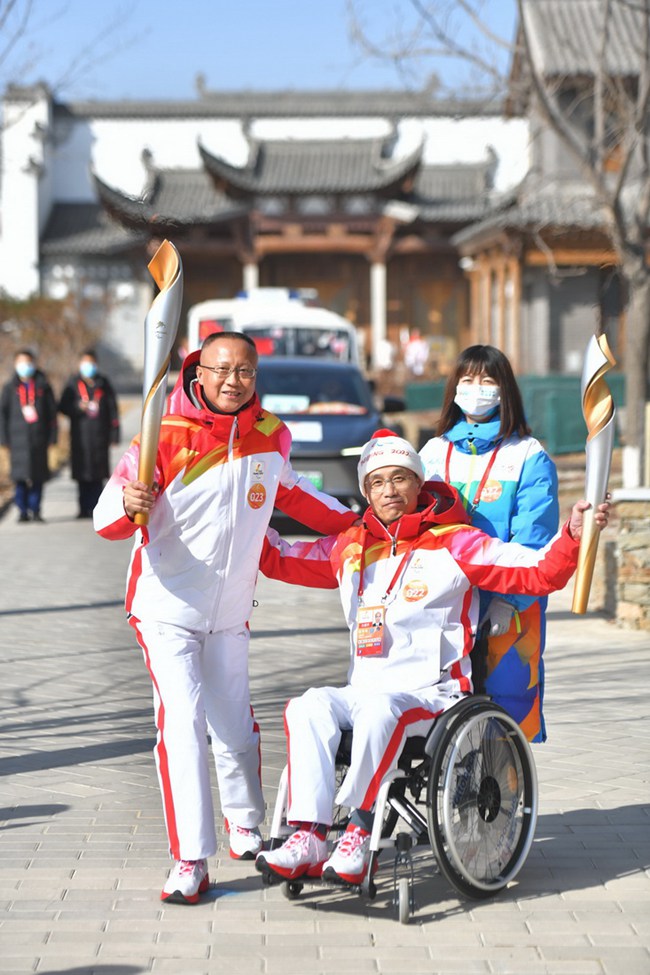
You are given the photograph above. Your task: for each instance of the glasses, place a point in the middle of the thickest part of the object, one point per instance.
(399, 481)
(222, 372)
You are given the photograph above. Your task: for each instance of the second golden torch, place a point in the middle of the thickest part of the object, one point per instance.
(599, 412)
(161, 325)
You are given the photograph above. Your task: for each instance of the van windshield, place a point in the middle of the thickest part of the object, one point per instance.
(319, 389)
(296, 340)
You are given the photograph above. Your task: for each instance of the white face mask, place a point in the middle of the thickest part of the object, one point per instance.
(475, 400)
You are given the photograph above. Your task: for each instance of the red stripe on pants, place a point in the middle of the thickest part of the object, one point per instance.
(395, 745)
(161, 751)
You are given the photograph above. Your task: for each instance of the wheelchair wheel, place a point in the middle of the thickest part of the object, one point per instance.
(291, 890)
(404, 900)
(482, 800)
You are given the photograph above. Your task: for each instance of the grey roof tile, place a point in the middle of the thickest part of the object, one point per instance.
(458, 181)
(338, 102)
(85, 229)
(183, 197)
(557, 210)
(566, 36)
(319, 166)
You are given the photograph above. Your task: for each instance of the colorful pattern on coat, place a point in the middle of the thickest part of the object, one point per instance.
(518, 503)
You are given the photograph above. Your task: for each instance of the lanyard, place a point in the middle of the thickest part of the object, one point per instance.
(398, 571)
(486, 473)
(27, 393)
(83, 391)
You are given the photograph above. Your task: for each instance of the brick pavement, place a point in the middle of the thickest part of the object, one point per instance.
(83, 852)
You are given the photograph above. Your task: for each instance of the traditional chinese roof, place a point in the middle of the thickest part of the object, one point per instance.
(457, 193)
(560, 211)
(284, 104)
(319, 166)
(182, 197)
(87, 230)
(566, 36)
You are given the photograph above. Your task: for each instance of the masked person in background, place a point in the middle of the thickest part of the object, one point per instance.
(27, 428)
(90, 402)
(508, 484)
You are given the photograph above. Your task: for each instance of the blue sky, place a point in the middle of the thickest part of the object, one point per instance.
(156, 48)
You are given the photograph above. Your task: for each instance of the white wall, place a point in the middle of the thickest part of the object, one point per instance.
(25, 194)
(114, 149)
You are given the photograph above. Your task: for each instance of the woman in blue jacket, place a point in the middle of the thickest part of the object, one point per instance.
(509, 487)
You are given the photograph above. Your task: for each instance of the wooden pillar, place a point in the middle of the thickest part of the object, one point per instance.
(485, 313)
(500, 274)
(515, 311)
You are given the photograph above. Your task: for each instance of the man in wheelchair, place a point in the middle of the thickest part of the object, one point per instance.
(408, 576)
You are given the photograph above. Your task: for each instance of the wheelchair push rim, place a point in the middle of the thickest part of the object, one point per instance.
(482, 801)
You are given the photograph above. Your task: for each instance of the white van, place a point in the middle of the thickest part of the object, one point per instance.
(280, 322)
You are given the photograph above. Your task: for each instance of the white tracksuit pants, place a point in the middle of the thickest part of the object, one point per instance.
(200, 688)
(381, 723)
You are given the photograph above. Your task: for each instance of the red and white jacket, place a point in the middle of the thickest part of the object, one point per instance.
(219, 477)
(435, 561)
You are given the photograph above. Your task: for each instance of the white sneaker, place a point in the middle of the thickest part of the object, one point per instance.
(188, 879)
(349, 861)
(245, 844)
(302, 854)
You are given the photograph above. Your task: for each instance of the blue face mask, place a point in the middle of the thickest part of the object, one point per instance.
(25, 369)
(88, 370)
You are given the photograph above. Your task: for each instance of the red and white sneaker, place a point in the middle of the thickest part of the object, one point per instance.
(245, 844)
(349, 861)
(186, 882)
(301, 855)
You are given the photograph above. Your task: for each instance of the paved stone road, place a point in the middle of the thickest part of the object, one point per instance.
(83, 853)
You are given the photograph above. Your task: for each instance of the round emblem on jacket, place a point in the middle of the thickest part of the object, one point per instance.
(414, 590)
(256, 495)
(492, 491)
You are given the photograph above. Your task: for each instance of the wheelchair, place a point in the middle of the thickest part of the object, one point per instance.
(469, 790)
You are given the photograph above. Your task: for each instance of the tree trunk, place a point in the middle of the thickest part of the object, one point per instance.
(637, 334)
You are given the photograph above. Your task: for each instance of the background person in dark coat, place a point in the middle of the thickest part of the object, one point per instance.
(28, 427)
(90, 402)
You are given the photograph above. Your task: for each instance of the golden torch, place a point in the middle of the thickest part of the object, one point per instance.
(160, 327)
(599, 412)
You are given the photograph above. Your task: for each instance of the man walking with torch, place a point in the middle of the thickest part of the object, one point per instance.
(221, 466)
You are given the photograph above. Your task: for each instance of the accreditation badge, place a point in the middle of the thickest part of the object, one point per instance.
(29, 413)
(370, 630)
(92, 408)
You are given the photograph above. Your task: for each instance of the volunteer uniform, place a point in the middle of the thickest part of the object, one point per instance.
(509, 488)
(189, 595)
(419, 574)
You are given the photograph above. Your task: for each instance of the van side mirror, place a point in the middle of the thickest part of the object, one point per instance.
(394, 404)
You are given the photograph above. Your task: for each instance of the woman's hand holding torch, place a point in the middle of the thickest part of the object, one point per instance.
(599, 412)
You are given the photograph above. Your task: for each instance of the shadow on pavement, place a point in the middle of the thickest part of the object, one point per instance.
(81, 755)
(71, 608)
(8, 814)
(549, 871)
(96, 970)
